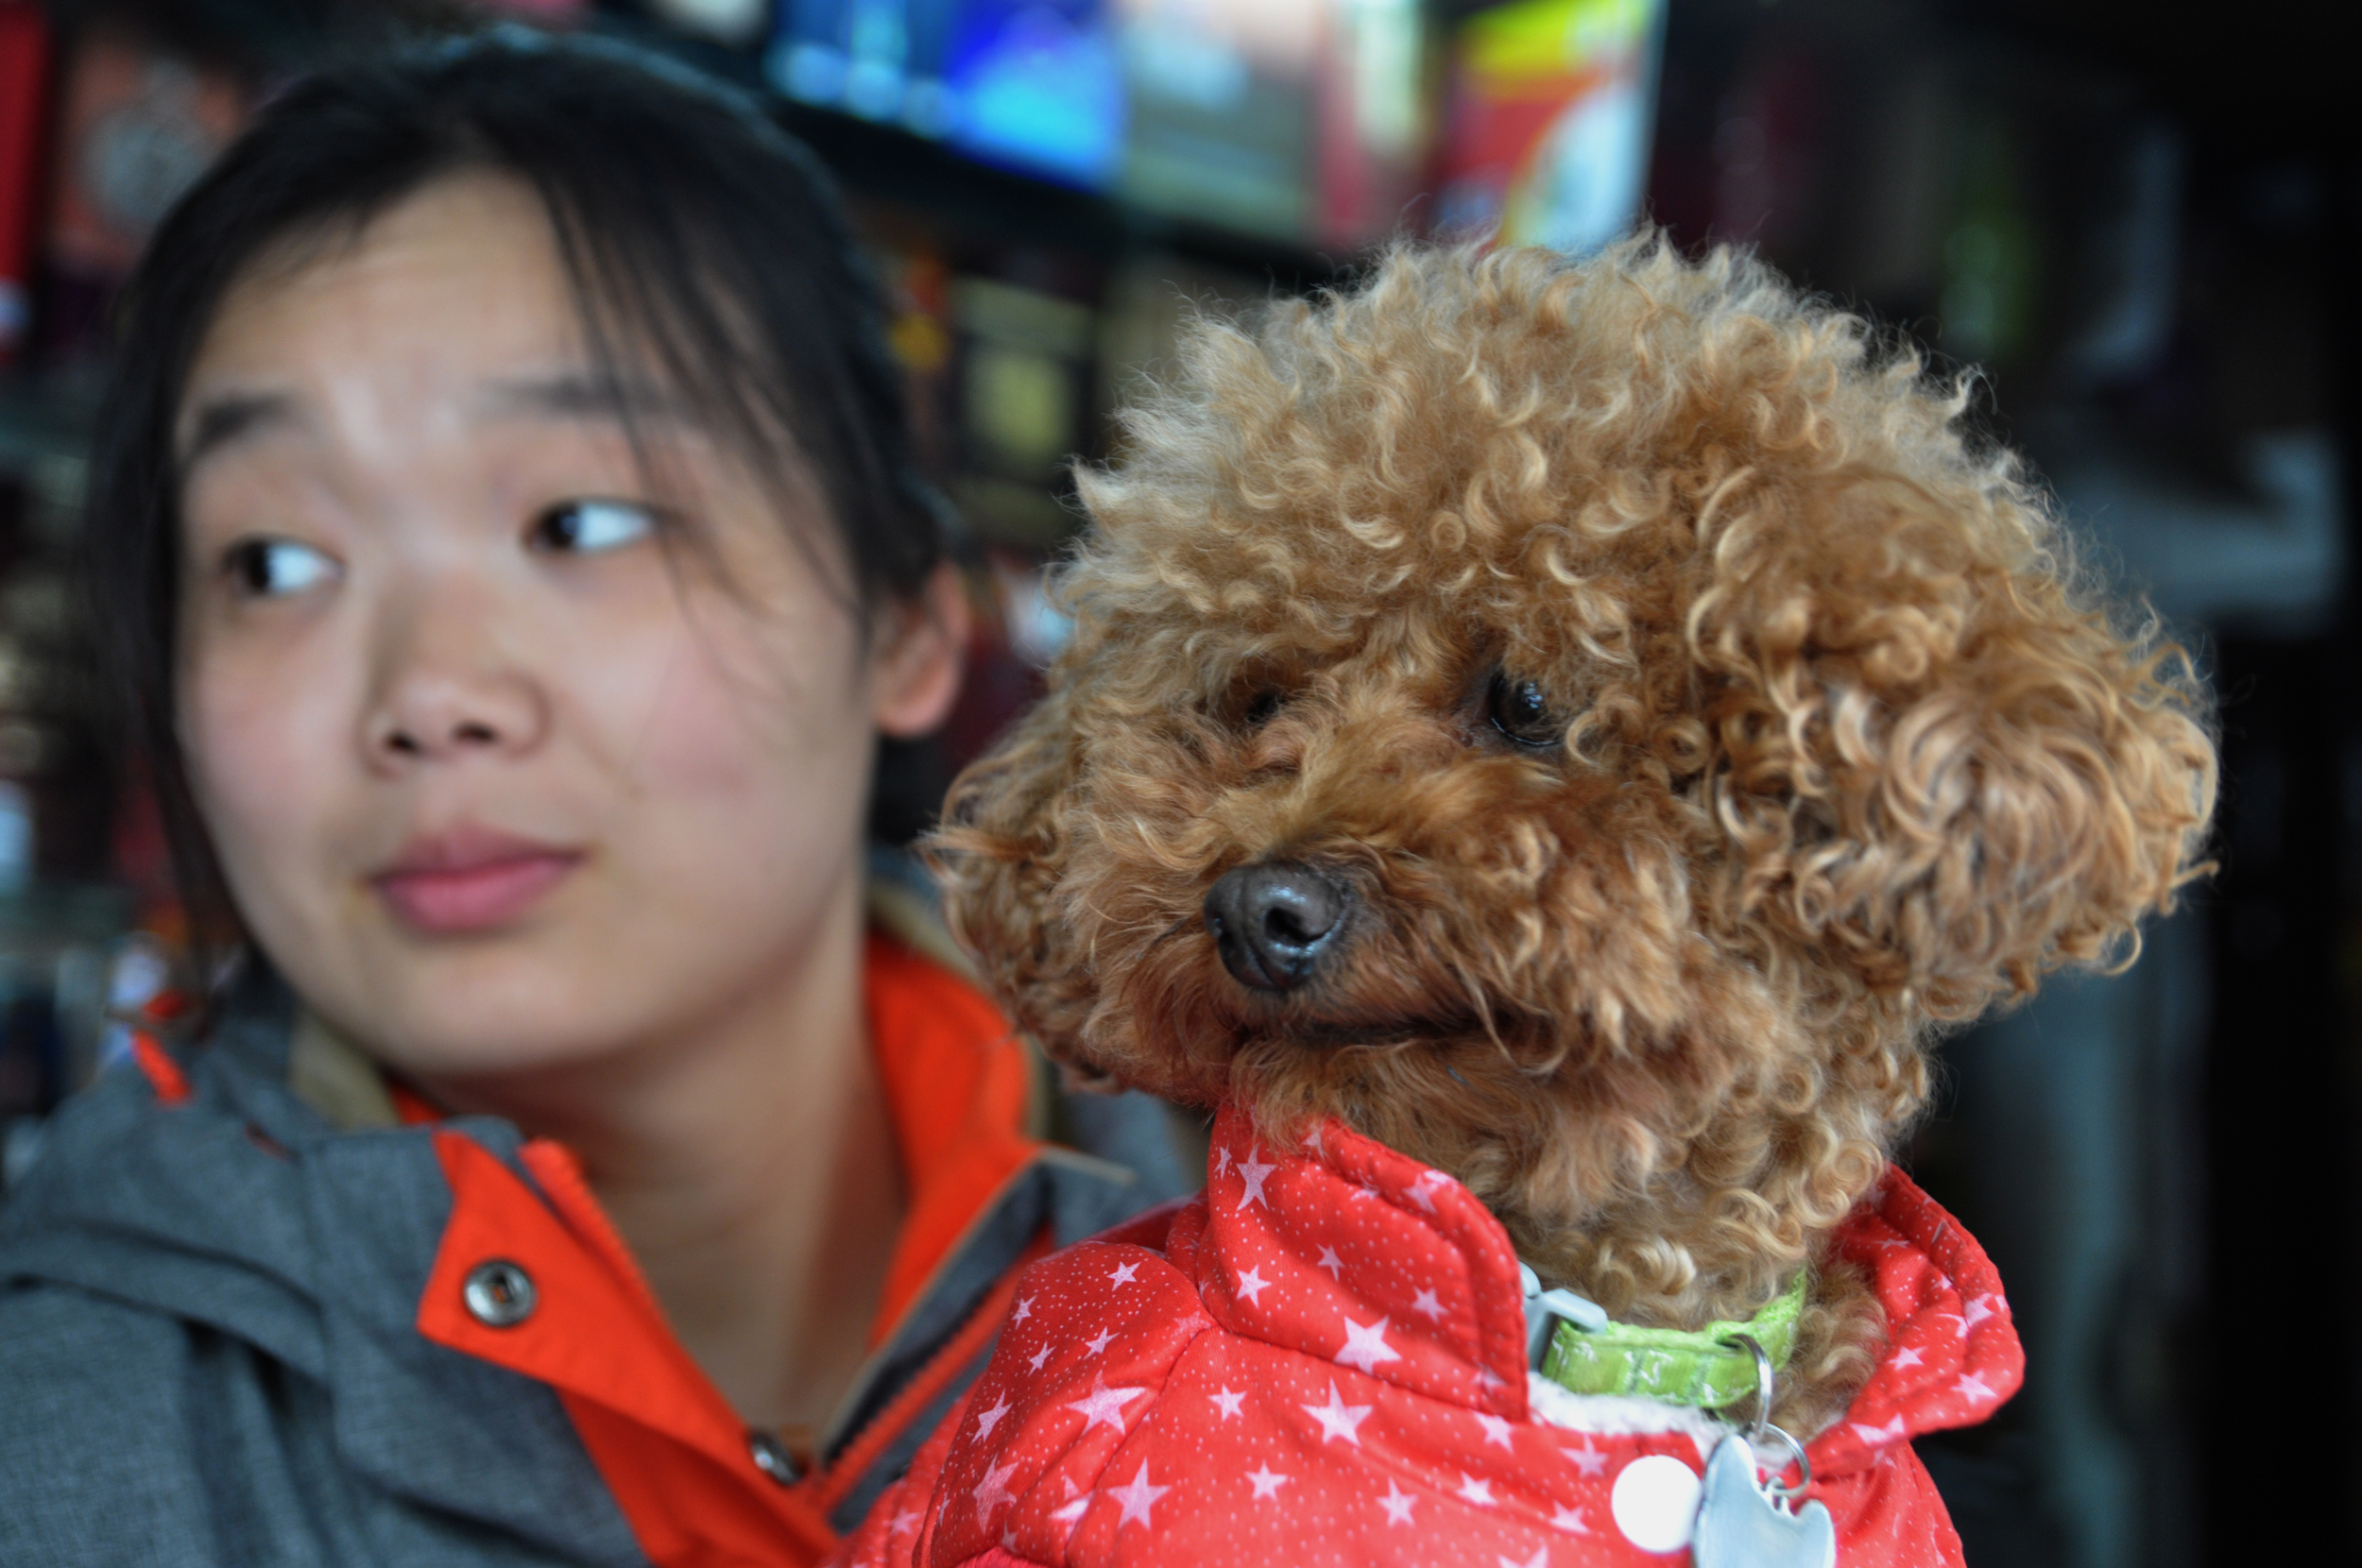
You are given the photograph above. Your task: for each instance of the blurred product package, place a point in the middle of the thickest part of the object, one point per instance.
(1548, 120)
(136, 123)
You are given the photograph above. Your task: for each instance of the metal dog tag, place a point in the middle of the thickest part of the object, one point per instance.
(1741, 1525)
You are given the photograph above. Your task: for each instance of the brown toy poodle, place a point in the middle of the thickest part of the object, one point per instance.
(1588, 725)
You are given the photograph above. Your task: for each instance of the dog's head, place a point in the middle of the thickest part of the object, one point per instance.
(1583, 725)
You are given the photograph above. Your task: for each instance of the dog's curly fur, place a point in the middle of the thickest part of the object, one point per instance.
(1849, 754)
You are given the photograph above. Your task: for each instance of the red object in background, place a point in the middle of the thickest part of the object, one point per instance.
(136, 125)
(1370, 117)
(25, 49)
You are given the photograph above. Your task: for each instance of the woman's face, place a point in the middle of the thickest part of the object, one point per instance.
(497, 779)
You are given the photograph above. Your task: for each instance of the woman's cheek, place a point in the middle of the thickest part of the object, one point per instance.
(264, 750)
(754, 756)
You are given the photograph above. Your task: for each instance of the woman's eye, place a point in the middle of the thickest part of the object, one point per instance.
(1518, 710)
(581, 527)
(273, 568)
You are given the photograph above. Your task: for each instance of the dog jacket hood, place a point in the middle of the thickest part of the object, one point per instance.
(1321, 1358)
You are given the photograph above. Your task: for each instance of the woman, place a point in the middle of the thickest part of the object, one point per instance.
(505, 530)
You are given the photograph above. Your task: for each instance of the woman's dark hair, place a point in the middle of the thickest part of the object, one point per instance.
(695, 232)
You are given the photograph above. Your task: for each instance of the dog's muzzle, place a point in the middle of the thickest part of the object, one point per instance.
(1273, 922)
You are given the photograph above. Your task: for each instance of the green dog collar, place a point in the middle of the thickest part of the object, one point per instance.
(1671, 1365)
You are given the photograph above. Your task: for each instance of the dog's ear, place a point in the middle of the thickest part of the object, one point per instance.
(1936, 759)
(998, 855)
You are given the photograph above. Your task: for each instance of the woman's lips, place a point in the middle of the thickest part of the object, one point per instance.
(449, 887)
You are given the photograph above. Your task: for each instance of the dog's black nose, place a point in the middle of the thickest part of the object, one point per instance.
(1273, 921)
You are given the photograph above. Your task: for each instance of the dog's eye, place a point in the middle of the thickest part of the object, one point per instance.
(1518, 710)
(1262, 708)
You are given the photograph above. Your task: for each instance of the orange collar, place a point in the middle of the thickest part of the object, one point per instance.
(956, 1080)
(674, 1451)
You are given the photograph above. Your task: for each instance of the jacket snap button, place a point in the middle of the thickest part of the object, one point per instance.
(771, 1457)
(1655, 1501)
(498, 1293)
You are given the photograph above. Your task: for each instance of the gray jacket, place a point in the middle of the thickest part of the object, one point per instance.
(207, 1350)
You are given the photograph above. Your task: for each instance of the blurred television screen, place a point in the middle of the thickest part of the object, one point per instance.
(1546, 135)
(1221, 100)
(1030, 85)
(1296, 120)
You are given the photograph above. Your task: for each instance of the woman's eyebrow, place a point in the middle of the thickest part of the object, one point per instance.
(578, 394)
(229, 418)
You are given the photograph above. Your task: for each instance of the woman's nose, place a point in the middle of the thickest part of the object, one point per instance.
(447, 690)
(448, 721)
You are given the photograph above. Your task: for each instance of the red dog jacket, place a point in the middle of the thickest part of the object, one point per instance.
(1321, 1359)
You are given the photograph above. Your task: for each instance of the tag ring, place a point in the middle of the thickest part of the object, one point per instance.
(1760, 1428)
(1804, 1466)
(1763, 1383)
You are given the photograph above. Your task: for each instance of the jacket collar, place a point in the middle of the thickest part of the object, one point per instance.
(245, 1207)
(1346, 1251)
(1349, 1251)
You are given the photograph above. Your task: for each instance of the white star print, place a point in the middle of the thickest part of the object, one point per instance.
(1496, 1429)
(1124, 1274)
(1907, 1357)
(1474, 1490)
(1137, 1498)
(1569, 1520)
(1428, 1180)
(1251, 1284)
(1228, 1402)
(1338, 1418)
(1222, 1159)
(1975, 1388)
(1488, 1379)
(1977, 1311)
(1396, 1503)
(1330, 1261)
(1365, 1345)
(905, 1521)
(1312, 1141)
(1587, 1460)
(1024, 1309)
(1034, 1362)
(993, 1491)
(987, 1420)
(1541, 1559)
(1103, 1404)
(1099, 1342)
(1427, 1307)
(1891, 1432)
(1265, 1482)
(1067, 1514)
(1254, 1171)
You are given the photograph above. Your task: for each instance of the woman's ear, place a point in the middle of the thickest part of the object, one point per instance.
(921, 654)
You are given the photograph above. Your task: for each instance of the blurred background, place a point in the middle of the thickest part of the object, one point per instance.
(2141, 221)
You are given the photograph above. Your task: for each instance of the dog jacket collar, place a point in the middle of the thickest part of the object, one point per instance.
(1698, 1367)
